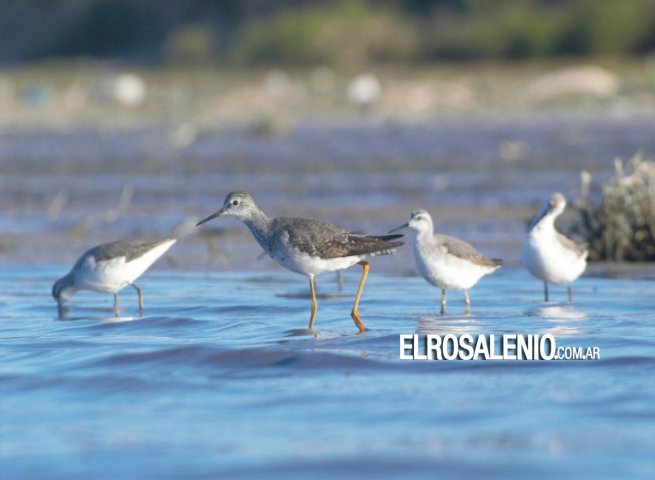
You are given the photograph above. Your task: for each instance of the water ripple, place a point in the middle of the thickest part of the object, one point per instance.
(221, 368)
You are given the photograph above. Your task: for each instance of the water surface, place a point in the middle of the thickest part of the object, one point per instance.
(216, 379)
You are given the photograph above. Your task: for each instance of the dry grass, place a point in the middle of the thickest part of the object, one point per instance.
(622, 226)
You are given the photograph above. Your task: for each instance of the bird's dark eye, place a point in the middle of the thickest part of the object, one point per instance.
(235, 202)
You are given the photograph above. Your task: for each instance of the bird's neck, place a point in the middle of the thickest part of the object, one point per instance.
(65, 283)
(259, 225)
(425, 237)
(546, 223)
(68, 281)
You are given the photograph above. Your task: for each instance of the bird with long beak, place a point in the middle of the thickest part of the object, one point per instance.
(444, 261)
(549, 255)
(308, 247)
(110, 267)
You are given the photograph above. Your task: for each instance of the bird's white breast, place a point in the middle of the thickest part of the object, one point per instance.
(104, 276)
(445, 270)
(547, 259)
(114, 274)
(300, 262)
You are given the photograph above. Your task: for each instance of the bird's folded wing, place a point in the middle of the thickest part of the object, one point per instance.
(325, 240)
(130, 249)
(349, 244)
(567, 243)
(461, 249)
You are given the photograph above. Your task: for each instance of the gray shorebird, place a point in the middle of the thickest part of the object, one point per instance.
(109, 268)
(446, 262)
(308, 247)
(549, 255)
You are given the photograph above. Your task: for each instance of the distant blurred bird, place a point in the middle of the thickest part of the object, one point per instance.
(364, 90)
(109, 268)
(549, 255)
(446, 262)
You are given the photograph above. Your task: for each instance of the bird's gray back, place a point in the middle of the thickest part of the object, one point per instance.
(325, 240)
(130, 249)
(465, 251)
(568, 244)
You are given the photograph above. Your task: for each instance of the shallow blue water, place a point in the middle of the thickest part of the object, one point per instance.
(217, 379)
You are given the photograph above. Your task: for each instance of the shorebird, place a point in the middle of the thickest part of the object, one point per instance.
(549, 255)
(109, 268)
(308, 247)
(446, 262)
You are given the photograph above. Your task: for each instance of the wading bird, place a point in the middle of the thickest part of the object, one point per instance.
(549, 255)
(109, 268)
(308, 247)
(446, 262)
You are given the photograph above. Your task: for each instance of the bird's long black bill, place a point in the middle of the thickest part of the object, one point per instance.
(211, 217)
(404, 225)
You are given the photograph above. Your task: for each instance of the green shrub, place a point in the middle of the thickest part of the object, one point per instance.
(518, 30)
(535, 29)
(494, 30)
(190, 44)
(332, 32)
(345, 33)
(614, 27)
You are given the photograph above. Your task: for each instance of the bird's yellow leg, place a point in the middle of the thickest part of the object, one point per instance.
(355, 313)
(312, 288)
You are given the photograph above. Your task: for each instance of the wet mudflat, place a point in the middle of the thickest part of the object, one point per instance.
(480, 178)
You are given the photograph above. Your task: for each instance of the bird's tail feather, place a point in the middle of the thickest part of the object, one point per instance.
(390, 244)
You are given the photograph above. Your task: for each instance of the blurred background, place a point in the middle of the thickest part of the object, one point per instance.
(134, 118)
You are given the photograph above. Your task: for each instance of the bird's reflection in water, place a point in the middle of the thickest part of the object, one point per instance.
(108, 315)
(302, 332)
(564, 318)
(305, 294)
(455, 324)
(560, 311)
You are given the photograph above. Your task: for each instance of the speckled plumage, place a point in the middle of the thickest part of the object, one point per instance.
(308, 247)
(323, 240)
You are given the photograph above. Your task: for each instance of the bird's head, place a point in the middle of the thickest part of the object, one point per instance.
(556, 203)
(238, 204)
(63, 289)
(551, 209)
(421, 221)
